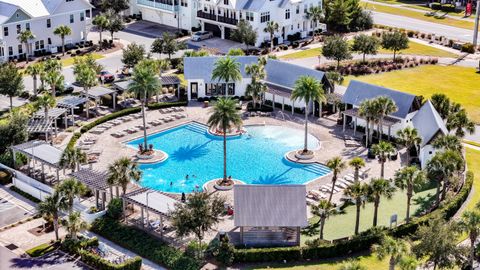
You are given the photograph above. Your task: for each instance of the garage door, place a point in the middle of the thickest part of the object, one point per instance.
(159, 17)
(214, 29)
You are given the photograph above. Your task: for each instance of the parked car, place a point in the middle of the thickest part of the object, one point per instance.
(107, 76)
(201, 35)
(67, 87)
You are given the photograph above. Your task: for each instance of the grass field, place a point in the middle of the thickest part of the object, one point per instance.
(303, 54)
(69, 61)
(459, 83)
(419, 6)
(473, 163)
(370, 261)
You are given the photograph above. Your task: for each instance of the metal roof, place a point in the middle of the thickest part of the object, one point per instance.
(53, 113)
(71, 101)
(91, 178)
(286, 74)
(429, 123)
(99, 91)
(270, 205)
(196, 68)
(41, 151)
(358, 91)
(157, 201)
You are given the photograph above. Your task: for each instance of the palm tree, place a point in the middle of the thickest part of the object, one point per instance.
(315, 14)
(448, 142)
(256, 88)
(226, 69)
(383, 150)
(24, 37)
(162, 65)
(52, 65)
(51, 207)
(63, 31)
(385, 106)
(459, 122)
(323, 211)
(408, 178)
(356, 193)
(352, 265)
(72, 158)
(54, 78)
(377, 188)
(101, 22)
(271, 28)
(409, 137)
(470, 223)
(45, 101)
(74, 224)
(224, 116)
(69, 189)
(408, 262)
(86, 76)
(367, 110)
(441, 167)
(357, 163)
(144, 82)
(337, 165)
(122, 172)
(392, 248)
(34, 70)
(308, 89)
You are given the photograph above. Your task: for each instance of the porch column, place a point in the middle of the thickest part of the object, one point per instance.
(58, 175)
(202, 25)
(298, 236)
(96, 198)
(143, 220)
(43, 171)
(56, 127)
(114, 97)
(355, 127)
(65, 116)
(161, 226)
(344, 122)
(283, 104)
(73, 117)
(241, 235)
(14, 154)
(104, 199)
(273, 100)
(123, 209)
(96, 107)
(320, 107)
(293, 107)
(389, 132)
(178, 91)
(222, 30)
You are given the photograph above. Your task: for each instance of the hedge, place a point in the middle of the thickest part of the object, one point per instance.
(143, 244)
(100, 263)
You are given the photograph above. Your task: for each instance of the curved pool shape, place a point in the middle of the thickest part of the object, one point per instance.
(256, 157)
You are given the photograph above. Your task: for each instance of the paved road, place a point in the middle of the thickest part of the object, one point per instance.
(52, 261)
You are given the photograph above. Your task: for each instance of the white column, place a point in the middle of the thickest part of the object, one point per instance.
(114, 97)
(344, 122)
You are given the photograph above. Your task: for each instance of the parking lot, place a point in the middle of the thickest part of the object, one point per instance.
(148, 29)
(53, 261)
(10, 213)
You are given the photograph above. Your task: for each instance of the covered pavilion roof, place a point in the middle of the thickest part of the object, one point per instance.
(41, 151)
(157, 201)
(53, 113)
(71, 102)
(99, 91)
(92, 178)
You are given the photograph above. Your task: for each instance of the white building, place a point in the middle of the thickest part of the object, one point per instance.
(41, 17)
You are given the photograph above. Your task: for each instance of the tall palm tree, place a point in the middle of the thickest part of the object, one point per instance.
(24, 37)
(357, 193)
(308, 89)
(69, 189)
(45, 101)
(315, 14)
(470, 223)
(448, 142)
(63, 31)
(51, 207)
(367, 110)
(383, 150)
(54, 78)
(86, 76)
(225, 117)
(392, 248)
(377, 189)
(337, 165)
(256, 88)
(408, 178)
(34, 70)
(101, 22)
(357, 163)
(409, 137)
(72, 158)
(144, 82)
(52, 65)
(323, 211)
(74, 224)
(122, 172)
(441, 168)
(385, 106)
(271, 28)
(459, 123)
(226, 69)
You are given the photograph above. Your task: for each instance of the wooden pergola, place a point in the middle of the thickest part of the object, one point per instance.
(41, 123)
(96, 181)
(99, 91)
(71, 103)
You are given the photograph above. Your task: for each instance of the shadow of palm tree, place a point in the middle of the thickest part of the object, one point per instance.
(424, 203)
(272, 179)
(190, 152)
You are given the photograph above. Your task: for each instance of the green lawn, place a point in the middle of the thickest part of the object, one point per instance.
(41, 250)
(369, 261)
(303, 54)
(69, 61)
(459, 83)
(473, 163)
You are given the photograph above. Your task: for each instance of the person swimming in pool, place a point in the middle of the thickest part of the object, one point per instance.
(186, 177)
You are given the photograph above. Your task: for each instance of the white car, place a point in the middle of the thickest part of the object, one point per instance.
(201, 35)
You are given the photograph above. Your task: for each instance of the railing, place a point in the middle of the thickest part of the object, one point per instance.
(227, 20)
(213, 17)
(158, 5)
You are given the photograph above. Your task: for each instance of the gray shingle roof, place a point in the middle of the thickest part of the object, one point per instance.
(428, 122)
(359, 91)
(285, 74)
(202, 67)
(270, 205)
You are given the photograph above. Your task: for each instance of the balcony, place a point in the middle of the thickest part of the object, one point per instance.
(158, 5)
(213, 17)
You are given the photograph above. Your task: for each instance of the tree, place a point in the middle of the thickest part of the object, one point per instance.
(441, 168)
(357, 163)
(338, 16)
(54, 78)
(470, 223)
(197, 215)
(352, 265)
(11, 81)
(448, 142)
(45, 101)
(315, 14)
(115, 22)
(409, 137)
(24, 37)
(360, 19)
(224, 116)
(442, 104)
(101, 22)
(368, 110)
(308, 89)
(377, 189)
(52, 65)
(256, 87)
(385, 106)
(236, 52)
(394, 41)
(85, 72)
(69, 189)
(226, 69)
(34, 70)
(459, 123)
(51, 207)
(74, 224)
(365, 44)
(170, 45)
(244, 33)
(116, 5)
(334, 77)
(122, 172)
(393, 248)
(357, 193)
(323, 211)
(408, 262)
(13, 130)
(337, 165)
(226, 251)
(271, 28)
(383, 150)
(133, 54)
(63, 31)
(336, 48)
(409, 178)
(143, 83)
(72, 158)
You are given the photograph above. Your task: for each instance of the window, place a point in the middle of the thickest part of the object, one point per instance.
(39, 45)
(225, 2)
(265, 17)
(305, 8)
(287, 14)
(27, 26)
(249, 16)
(70, 0)
(218, 89)
(297, 9)
(20, 49)
(5, 31)
(10, 50)
(49, 41)
(87, 13)
(291, 27)
(19, 28)
(82, 16)
(231, 89)
(2, 52)
(184, 3)
(71, 18)
(49, 23)
(298, 26)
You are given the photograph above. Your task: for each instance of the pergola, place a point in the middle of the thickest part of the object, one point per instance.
(70, 103)
(97, 92)
(40, 125)
(40, 151)
(354, 113)
(96, 181)
(165, 80)
(150, 201)
(282, 92)
(53, 114)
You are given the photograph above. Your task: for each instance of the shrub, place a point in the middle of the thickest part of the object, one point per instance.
(115, 208)
(100, 263)
(468, 48)
(436, 6)
(72, 246)
(268, 254)
(5, 177)
(448, 8)
(24, 194)
(226, 252)
(161, 105)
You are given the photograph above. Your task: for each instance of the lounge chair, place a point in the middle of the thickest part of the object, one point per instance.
(311, 202)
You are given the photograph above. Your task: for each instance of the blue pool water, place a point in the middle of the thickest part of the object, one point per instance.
(256, 157)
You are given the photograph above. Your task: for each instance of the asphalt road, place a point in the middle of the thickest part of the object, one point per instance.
(52, 261)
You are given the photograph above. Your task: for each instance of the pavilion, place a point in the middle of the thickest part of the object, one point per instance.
(41, 123)
(71, 103)
(97, 182)
(166, 80)
(97, 92)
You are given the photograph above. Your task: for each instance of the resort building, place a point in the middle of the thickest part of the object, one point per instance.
(41, 17)
(270, 215)
(280, 80)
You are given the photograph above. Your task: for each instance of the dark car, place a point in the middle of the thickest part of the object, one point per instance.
(106, 76)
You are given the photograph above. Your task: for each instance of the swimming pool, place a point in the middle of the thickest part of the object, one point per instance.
(256, 157)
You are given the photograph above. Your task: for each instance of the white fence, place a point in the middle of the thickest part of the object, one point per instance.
(28, 184)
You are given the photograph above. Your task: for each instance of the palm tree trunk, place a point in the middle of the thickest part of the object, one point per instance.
(357, 217)
(444, 189)
(322, 224)
(380, 129)
(334, 180)
(367, 133)
(117, 193)
(35, 85)
(54, 91)
(11, 103)
(88, 103)
(375, 212)
(382, 168)
(55, 227)
(271, 42)
(392, 263)
(100, 43)
(472, 250)
(26, 52)
(305, 143)
(63, 46)
(356, 175)
(438, 193)
(144, 123)
(409, 199)
(225, 155)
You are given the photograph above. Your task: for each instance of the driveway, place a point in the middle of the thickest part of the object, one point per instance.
(53, 261)
(222, 45)
(148, 29)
